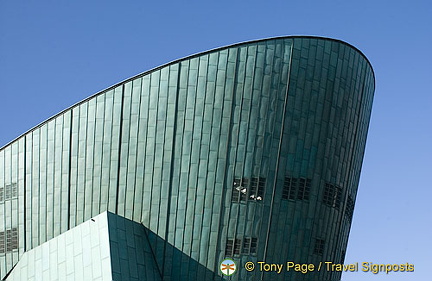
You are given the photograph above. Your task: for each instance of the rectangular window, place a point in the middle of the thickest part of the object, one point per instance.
(243, 189)
(244, 185)
(235, 197)
(240, 189)
(328, 194)
(8, 192)
(8, 240)
(304, 189)
(319, 246)
(338, 197)
(332, 196)
(246, 245)
(289, 188)
(237, 182)
(229, 247)
(237, 247)
(296, 188)
(2, 243)
(232, 247)
(257, 188)
(254, 246)
(250, 246)
(349, 209)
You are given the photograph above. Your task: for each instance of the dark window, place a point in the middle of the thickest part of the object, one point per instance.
(250, 245)
(246, 245)
(243, 189)
(319, 246)
(9, 191)
(229, 248)
(289, 188)
(237, 182)
(254, 246)
(14, 190)
(338, 197)
(8, 240)
(304, 189)
(237, 246)
(296, 188)
(235, 197)
(328, 195)
(240, 190)
(332, 195)
(2, 243)
(233, 247)
(349, 209)
(257, 189)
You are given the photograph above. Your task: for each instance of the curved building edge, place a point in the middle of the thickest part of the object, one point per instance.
(183, 59)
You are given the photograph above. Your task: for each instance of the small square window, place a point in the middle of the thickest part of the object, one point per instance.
(296, 188)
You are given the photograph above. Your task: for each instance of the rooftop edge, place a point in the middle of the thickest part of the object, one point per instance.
(183, 59)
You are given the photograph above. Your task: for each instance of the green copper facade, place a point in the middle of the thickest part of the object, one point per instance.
(251, 151)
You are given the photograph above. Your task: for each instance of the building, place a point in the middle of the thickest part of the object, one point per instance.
(251, 151)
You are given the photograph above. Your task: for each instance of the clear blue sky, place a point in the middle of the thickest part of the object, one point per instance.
(56, 53)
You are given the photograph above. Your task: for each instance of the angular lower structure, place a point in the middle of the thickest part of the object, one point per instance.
(105, 248)
(251, 151)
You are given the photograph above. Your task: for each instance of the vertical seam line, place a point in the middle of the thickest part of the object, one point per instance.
(279, 149)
